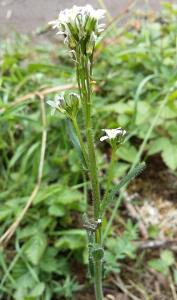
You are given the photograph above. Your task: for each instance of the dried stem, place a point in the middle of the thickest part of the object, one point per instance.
(11, 230)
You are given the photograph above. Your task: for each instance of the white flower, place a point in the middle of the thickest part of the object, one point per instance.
(78, 24)
(54, 23)
(112, 134)
(56, 103)
(70, 15)
(94, 13)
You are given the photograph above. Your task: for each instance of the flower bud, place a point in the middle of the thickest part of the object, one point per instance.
(91, 43)
(90, 25)
(73, 104)
(66, 104)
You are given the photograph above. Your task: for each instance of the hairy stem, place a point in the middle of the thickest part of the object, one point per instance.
(83, 77)
(98, 279)
(84, 84)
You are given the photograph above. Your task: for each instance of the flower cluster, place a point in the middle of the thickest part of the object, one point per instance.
(68, 105)
(80, 25)
(114, 136)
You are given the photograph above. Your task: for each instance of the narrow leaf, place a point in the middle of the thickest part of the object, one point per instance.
(74, 140)
(124, 181)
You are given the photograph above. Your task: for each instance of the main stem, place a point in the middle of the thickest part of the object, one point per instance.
(98, 280)
(84, 84)
(83, 76)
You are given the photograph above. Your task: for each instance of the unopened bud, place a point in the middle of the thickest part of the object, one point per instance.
(66, 104)
(91, 43)
(73, 104)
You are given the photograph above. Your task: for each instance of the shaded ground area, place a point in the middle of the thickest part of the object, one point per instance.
(26, 15)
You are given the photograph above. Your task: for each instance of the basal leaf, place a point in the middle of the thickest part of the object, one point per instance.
(158, 145)
(72, 239)
(127, 152)
(169, 156)
(35, 247)
(38, 290)
(168, 257)
(57, 210)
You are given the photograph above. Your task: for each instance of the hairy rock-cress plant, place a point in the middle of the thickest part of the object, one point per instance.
(81, 28)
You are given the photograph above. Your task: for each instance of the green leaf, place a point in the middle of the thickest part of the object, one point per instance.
(19, 151)
(112, 264)
(29, 155)
(51, 262)
(143, 113)
(158, 145)
(159, 266)
(172, 130)
(35, 247)
(30, 230)
(21, 274)
(124, 181)
(57, 210)
(169, 156)
(48, 192)
(68, 196)
(74, 139)
(127, 153)
(5, 212)
(38, 290)
(119, 169)
(69, 243)
(167, 257)
(60, 195)
(153, 231)
(72, 239)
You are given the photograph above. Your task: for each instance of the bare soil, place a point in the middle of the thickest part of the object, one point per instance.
(157, 192)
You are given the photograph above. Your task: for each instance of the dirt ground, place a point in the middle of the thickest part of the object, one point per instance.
(26, 15)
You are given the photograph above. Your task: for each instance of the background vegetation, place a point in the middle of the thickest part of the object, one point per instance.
(136, 88)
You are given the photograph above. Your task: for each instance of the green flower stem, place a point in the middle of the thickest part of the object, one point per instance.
(83, 76)
(90, 143)
(78, 132)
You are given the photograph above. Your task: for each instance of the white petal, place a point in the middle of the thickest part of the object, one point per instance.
(61, 32)
(103, 138)
(109, 132)
(51, 103)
